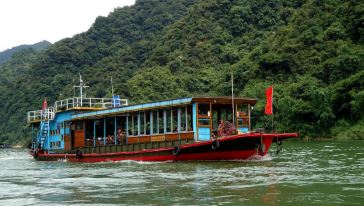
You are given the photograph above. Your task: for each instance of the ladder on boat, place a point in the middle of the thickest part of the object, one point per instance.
(42, 135)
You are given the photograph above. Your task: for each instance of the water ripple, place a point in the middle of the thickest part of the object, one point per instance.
(303, 173)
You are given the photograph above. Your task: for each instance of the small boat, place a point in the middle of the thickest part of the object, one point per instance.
(81, 129)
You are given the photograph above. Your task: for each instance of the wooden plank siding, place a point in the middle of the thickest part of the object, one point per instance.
(104, 149)
(161, 137)
(79, 138)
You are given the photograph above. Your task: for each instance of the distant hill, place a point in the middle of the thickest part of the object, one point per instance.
(7, 54)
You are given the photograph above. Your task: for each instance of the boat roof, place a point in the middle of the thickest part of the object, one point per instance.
(163, 104)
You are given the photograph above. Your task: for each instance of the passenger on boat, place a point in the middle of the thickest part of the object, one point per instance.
(100, 141)
(226, 128)
(121, 136)
(90, 141)
(110, 139)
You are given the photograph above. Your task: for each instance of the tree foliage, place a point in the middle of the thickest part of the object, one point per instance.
(310, 50)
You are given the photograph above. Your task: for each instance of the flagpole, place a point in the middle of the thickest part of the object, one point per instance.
(272, 109)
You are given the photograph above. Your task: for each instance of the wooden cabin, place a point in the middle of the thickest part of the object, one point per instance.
(142, 126)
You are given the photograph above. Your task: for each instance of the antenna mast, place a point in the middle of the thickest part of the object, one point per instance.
(112, 88)
(81, 86)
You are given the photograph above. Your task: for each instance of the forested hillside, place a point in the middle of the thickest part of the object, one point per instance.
(311, 51)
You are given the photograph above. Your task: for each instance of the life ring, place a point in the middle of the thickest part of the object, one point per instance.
(176, 151)
(215, 144)
(78, 153)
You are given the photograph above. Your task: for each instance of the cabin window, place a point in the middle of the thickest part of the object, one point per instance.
(131, 124)
(135, 124)
(161, 121)
(242, 115)
(148, 122)
(204, 122)
(142, 123)
(203, 115)
(169, 120)
(174, 125)
(203, 109)
(183, 119)
(189, 118)
(79, 125)
(155, 117)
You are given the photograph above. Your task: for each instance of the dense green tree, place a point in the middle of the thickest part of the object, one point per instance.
(311, 52)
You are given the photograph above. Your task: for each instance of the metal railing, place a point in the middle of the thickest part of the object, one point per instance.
(41, 115)
(92, 103)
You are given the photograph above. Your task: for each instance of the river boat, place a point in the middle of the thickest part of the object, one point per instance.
(81, 129)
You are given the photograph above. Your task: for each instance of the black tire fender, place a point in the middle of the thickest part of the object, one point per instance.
(215, 144)
(79, 153)
(176, 151)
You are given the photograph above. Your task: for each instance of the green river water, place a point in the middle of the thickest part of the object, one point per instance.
(304, 173)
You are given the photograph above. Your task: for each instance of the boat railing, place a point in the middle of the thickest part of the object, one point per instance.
(89, 103)
(41, 115)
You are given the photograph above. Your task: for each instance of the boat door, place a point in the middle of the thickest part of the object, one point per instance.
(203, 121)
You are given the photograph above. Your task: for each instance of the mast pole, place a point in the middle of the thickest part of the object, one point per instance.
(112, 87)
(81, 85)
(232, 97)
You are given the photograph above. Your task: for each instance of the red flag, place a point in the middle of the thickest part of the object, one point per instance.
(269, 103)
(44, 106)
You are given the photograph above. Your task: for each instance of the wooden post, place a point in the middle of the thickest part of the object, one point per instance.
(132, 124)
(34, 141)
(197, 121)
(127, 127)
(210, 120)
(186, 115)
(157, 119)
(104, 131)
(95, 133)
(164, 121)
(151, 122)
(179, 124)
(236, 116)
(179, 120)
(115, 131)
(84, 132)
(249, 108)
(138, 123)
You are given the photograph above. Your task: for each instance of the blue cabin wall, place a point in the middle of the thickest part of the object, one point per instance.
(201, 133)
(194, 116)
(243, 129)
(58, 129)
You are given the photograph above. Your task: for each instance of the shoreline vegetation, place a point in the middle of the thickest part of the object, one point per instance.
(311, 51)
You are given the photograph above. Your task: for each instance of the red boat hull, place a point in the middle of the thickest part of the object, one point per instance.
(238, 147)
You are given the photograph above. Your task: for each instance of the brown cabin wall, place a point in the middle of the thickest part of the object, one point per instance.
(79, 138)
